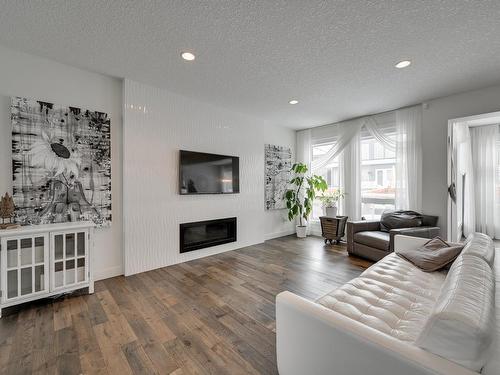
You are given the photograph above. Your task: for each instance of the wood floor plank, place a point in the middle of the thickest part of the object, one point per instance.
(177, 349)
(8, 327)
(62, 314)
(116, 326)
(137, 359)
(44, 356)
(91, 358)
(214, 315)
(96, 313)
(20, 358)
(68, 358)
(111, 349)
(93, 366)
(162, 361)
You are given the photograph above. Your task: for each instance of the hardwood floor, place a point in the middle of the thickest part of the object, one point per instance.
(209, 316)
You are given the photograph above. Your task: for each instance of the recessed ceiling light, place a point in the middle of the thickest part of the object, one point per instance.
(188, 56)
(403, 64)
(293, 101)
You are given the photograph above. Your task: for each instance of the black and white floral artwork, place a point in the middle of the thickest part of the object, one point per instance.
(61, 163)
(278, 161)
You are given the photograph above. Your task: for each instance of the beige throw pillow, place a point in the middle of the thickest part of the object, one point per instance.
(433, 256)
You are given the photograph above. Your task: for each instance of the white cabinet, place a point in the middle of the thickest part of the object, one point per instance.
(44, 260)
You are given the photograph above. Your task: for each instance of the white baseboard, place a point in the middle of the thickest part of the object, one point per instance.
(108, 272)
(270, 236)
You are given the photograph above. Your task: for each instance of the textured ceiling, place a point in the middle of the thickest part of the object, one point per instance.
(336, 57)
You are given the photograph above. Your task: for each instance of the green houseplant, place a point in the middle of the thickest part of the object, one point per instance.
(329, 201)
(299, 198)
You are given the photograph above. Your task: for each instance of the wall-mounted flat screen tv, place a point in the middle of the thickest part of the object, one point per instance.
(201, 173)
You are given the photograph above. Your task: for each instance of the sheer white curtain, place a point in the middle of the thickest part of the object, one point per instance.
(345, 138)
(466, 213)
(379, 131)
(408, 148)
(304, 147)
(341, 133)
(484, 142)
(352, 178)
(409, 158)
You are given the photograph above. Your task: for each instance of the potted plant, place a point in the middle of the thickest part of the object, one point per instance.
(299, 199)
(329, 202)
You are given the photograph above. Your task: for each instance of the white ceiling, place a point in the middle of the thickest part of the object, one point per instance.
(336, 57)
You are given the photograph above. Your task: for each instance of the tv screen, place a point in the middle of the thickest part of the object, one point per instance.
(201, 173)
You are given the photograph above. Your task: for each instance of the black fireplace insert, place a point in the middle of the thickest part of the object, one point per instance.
(201, 234)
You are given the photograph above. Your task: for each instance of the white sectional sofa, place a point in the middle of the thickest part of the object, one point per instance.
(396, 319)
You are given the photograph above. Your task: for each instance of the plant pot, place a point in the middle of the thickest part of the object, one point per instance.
(301, 231)
(331, 211)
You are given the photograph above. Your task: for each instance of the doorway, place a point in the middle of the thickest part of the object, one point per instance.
(474, 176)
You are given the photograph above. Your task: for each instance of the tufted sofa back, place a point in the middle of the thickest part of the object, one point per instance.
(480, 245)
(461, 326)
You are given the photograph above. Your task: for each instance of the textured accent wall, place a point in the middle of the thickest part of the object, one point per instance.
(157, 124)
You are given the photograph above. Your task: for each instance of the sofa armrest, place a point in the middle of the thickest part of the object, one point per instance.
(363, 225)
(424, 232)
(314, 340)
(354, 227)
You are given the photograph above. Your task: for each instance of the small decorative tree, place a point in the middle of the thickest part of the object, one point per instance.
(300, 198)
(6, 210)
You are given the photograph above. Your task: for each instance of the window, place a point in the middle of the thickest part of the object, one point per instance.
(370, 186)
(377, 178)
(330, 172)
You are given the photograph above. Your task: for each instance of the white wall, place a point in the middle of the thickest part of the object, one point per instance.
(434, 139)
(37, 78)
(153, 209)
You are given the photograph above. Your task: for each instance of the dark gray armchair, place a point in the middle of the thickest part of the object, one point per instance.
(373, 240)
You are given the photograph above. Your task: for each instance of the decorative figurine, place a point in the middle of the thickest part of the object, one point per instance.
(7, 212)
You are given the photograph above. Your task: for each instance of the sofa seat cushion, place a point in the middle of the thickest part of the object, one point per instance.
(376, 239)
(392, 296)
(401, 274)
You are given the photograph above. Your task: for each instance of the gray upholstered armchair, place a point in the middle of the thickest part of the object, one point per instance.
(375, 239)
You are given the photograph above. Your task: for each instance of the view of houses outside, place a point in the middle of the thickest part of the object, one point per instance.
(377, 178)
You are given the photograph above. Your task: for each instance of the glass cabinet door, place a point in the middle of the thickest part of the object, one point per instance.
(70, 259)
(26, 262)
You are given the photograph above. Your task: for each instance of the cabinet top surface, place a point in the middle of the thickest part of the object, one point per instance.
(30, 229)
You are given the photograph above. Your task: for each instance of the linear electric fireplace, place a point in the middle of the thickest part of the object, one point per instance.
(201, 234)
